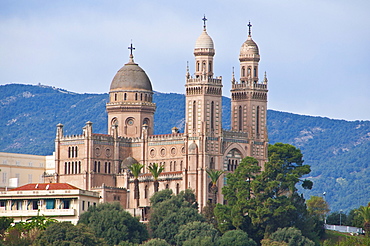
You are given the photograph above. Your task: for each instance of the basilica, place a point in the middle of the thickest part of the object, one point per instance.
(100, 162)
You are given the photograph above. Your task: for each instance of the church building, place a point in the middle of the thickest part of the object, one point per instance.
(100, 162)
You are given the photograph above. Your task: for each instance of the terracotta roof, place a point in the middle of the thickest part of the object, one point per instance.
(49, 186)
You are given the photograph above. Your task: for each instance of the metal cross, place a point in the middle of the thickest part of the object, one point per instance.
(131, 48)
(204, 21)
(249, 26)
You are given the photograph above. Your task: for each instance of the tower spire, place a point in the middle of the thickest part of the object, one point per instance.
(249, 28)
(131, 48)
(204, 22)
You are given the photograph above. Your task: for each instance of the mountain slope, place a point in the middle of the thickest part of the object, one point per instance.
(337, 150)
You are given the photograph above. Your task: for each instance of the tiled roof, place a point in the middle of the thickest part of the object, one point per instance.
(46, 186)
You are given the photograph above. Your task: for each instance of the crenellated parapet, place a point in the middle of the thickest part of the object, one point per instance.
(234, 135)
(164, 176)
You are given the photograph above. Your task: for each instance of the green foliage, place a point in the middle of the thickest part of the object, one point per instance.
(155, 169)
(64, 233)
(236, 238)
(168, 215)
(136, 169)
(5, 223)
(156, 242)
(202, 241)
(195, 229)
(110, 222)
(261, 202)
(317, 206)
(337, 218)
(160, 197)
(355, 219)
(292, 236)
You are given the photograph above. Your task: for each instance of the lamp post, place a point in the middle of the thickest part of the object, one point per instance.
(340, 217)
(324, 194)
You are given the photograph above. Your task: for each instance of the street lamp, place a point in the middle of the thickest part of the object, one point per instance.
(340, 217)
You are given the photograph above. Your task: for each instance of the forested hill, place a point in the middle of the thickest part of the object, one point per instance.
(337, 150)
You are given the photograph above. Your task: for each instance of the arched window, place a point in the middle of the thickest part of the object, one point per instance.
(210, 66)
(249, 72)
(146, 191)
(212, 115)
(69, 168)
(76, 151)
(95, 166)
(79, 167)
(109, 167)
(167, 186)
(98, 166)
(243, 71)
(194, 115)
(170, 166)
(174, 165)
(240, 118)
(115, 96)
(212, 164)
(141, 96)
(65, 168)
(177, 188)
(146, 97)
(69, 152)
(258, 120)
(135, 96)
(180, 165)
(255, 72)
(125, 97)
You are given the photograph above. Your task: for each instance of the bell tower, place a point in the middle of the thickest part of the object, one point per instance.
(130, 105)
(203, 91)
(249, 99)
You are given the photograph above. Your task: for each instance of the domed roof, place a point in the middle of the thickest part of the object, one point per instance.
(249, 47)
(204, 41)
(131, 77)
(126, 163)
(193, 147)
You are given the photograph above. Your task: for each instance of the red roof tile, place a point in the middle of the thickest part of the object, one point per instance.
(50, 186)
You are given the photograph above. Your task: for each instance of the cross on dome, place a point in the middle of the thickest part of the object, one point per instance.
(204, 22)
(249, 26)
(131, 48)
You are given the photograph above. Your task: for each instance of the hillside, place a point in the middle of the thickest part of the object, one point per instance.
(337, 150)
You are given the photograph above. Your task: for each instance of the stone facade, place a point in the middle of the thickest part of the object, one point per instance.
(94, 161)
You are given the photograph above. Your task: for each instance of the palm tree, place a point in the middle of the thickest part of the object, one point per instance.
(135, 170)
(365, 214)
(156, 170)
(214, 175)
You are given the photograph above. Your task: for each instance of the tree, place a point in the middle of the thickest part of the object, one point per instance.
(236, 238)
(112, 223)
(5, 223)
(156, 242)
(195, 229)
(168, 215)
(135, 170)
(292, 236)
(365, 214)
(156, 170)
(261, 202)
(65, 233)
(317, 206)
(214, 175)
(337, 218)
(203, 241)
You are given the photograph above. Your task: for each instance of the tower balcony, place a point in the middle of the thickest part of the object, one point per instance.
(204, 80)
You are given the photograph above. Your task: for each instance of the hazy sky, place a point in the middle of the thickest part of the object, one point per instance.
(316, 52)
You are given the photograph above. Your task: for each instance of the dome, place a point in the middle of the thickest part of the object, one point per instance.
(126, 163)
(249, 47)
(131, 77)
(204, 41)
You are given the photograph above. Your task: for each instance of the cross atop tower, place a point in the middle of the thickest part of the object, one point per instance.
(131, 48)
(204, 22)
(249, 27)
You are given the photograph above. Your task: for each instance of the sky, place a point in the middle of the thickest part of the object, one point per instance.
(316, 53)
